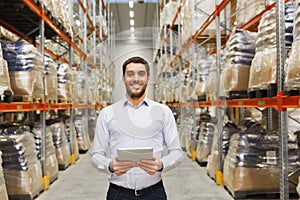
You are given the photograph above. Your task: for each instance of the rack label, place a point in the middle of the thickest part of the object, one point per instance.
(261, 102)
(271, 157)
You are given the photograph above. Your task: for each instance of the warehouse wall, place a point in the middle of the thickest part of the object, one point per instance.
(128, 48)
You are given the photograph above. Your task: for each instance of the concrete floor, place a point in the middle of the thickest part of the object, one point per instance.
(81, 181)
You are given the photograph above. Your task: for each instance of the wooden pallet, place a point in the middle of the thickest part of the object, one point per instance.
(269, 91)
(26, 98)
(202, 163)
(202, 98)
(258, 194)
(64, 100)
(63, 166)
(6, 96)
(237, 94)
(293, 92)
(25, 196)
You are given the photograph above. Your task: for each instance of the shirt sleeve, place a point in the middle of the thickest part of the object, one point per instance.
(100, 144)
(171, 139)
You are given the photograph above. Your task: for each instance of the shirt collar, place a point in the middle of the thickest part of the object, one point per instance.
(127, 102)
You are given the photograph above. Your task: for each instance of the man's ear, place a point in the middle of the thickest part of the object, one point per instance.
(123, 79)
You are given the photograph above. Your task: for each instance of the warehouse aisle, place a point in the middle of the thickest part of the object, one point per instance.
(83, 182)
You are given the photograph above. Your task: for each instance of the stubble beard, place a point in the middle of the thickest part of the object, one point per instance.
(136, 95)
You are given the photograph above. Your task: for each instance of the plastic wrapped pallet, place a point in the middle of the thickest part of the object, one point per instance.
(25, 69)
(83, 139)
(62, 147)
(22, 170)
(205, 140)
(263, 71)
(80, 92)
(50, 155)
(212, 165)
(240, 50)
(51, 92)
(252, 162)
(4, 76)
(3, 192)
(64, 78)
(246, 10)
(292, 77)
(75, 140)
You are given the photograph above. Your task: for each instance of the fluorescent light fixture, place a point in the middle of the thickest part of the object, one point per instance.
(131, 13)
(130, 2)
(131, 22)
(132, 29)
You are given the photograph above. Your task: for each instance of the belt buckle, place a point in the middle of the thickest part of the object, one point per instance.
(136, 193)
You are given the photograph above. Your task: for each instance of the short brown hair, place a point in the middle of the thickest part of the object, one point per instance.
(136, 59)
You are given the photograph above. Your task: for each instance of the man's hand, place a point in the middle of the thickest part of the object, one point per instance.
(120, 167)
(150, 166)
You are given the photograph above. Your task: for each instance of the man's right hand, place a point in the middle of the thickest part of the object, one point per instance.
(120, 167)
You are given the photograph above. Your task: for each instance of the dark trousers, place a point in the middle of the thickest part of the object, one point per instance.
(119, 193)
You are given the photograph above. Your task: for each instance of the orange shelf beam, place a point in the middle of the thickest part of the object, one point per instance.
(31, 5)
(20, 107)
(208, 21)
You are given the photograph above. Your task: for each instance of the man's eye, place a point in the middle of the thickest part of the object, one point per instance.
(141, 73)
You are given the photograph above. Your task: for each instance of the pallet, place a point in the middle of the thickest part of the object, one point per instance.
(237, 94)
(293, 92)
(63, 100)
(202, 163)
(63, 167)
(269, 91)
(6, 96)
(202, 98)
(26, 98)
(24, 196)
(258, 194)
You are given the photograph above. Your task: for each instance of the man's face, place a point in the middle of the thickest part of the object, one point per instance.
(136, 80)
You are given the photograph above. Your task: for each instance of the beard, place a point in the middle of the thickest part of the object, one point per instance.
(134, 95)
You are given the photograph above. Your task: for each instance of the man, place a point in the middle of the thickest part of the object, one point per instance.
(136, 122)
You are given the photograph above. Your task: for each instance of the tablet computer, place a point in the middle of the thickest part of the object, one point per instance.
(135, 154)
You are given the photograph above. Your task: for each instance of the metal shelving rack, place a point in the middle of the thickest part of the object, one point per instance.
(280, 102)
(31, 19)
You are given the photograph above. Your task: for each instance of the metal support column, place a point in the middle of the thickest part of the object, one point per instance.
(71, 53)
(282, 116)
(219, 172)
(46, 179)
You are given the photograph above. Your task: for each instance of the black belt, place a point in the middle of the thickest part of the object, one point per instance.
(138, 192)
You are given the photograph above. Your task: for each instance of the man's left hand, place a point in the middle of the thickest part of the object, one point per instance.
(150, 166)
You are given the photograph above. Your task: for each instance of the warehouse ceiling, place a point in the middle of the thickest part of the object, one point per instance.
(144, 18)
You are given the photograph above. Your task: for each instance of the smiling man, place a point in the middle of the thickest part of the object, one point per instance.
(136, 122)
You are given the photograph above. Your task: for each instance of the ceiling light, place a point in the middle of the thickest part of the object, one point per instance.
(131, 22)
(130, 3)
(131, 14)
(132, 29)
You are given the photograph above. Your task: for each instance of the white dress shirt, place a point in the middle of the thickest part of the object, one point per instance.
(121, 125)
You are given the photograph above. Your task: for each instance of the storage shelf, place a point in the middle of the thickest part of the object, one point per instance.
(28, 106)
(270, 102)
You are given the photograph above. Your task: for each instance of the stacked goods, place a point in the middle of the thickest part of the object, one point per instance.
(3, 192)
(22, 170)
(80, 88)
(186, 131)
(64, 82)
(247, 10)
(50, 155)
(240, 52)
(50, 78)
(68, 134)
(25, 66)
(205, 141)
(292, 79)
(81, 126)
(228, 130)
(263, 71)
(62, 147)
(252, 162)
(204, 65)
(5, 87)
(59, 9)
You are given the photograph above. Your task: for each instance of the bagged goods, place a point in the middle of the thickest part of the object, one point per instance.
(25, 69)
(22, 170)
